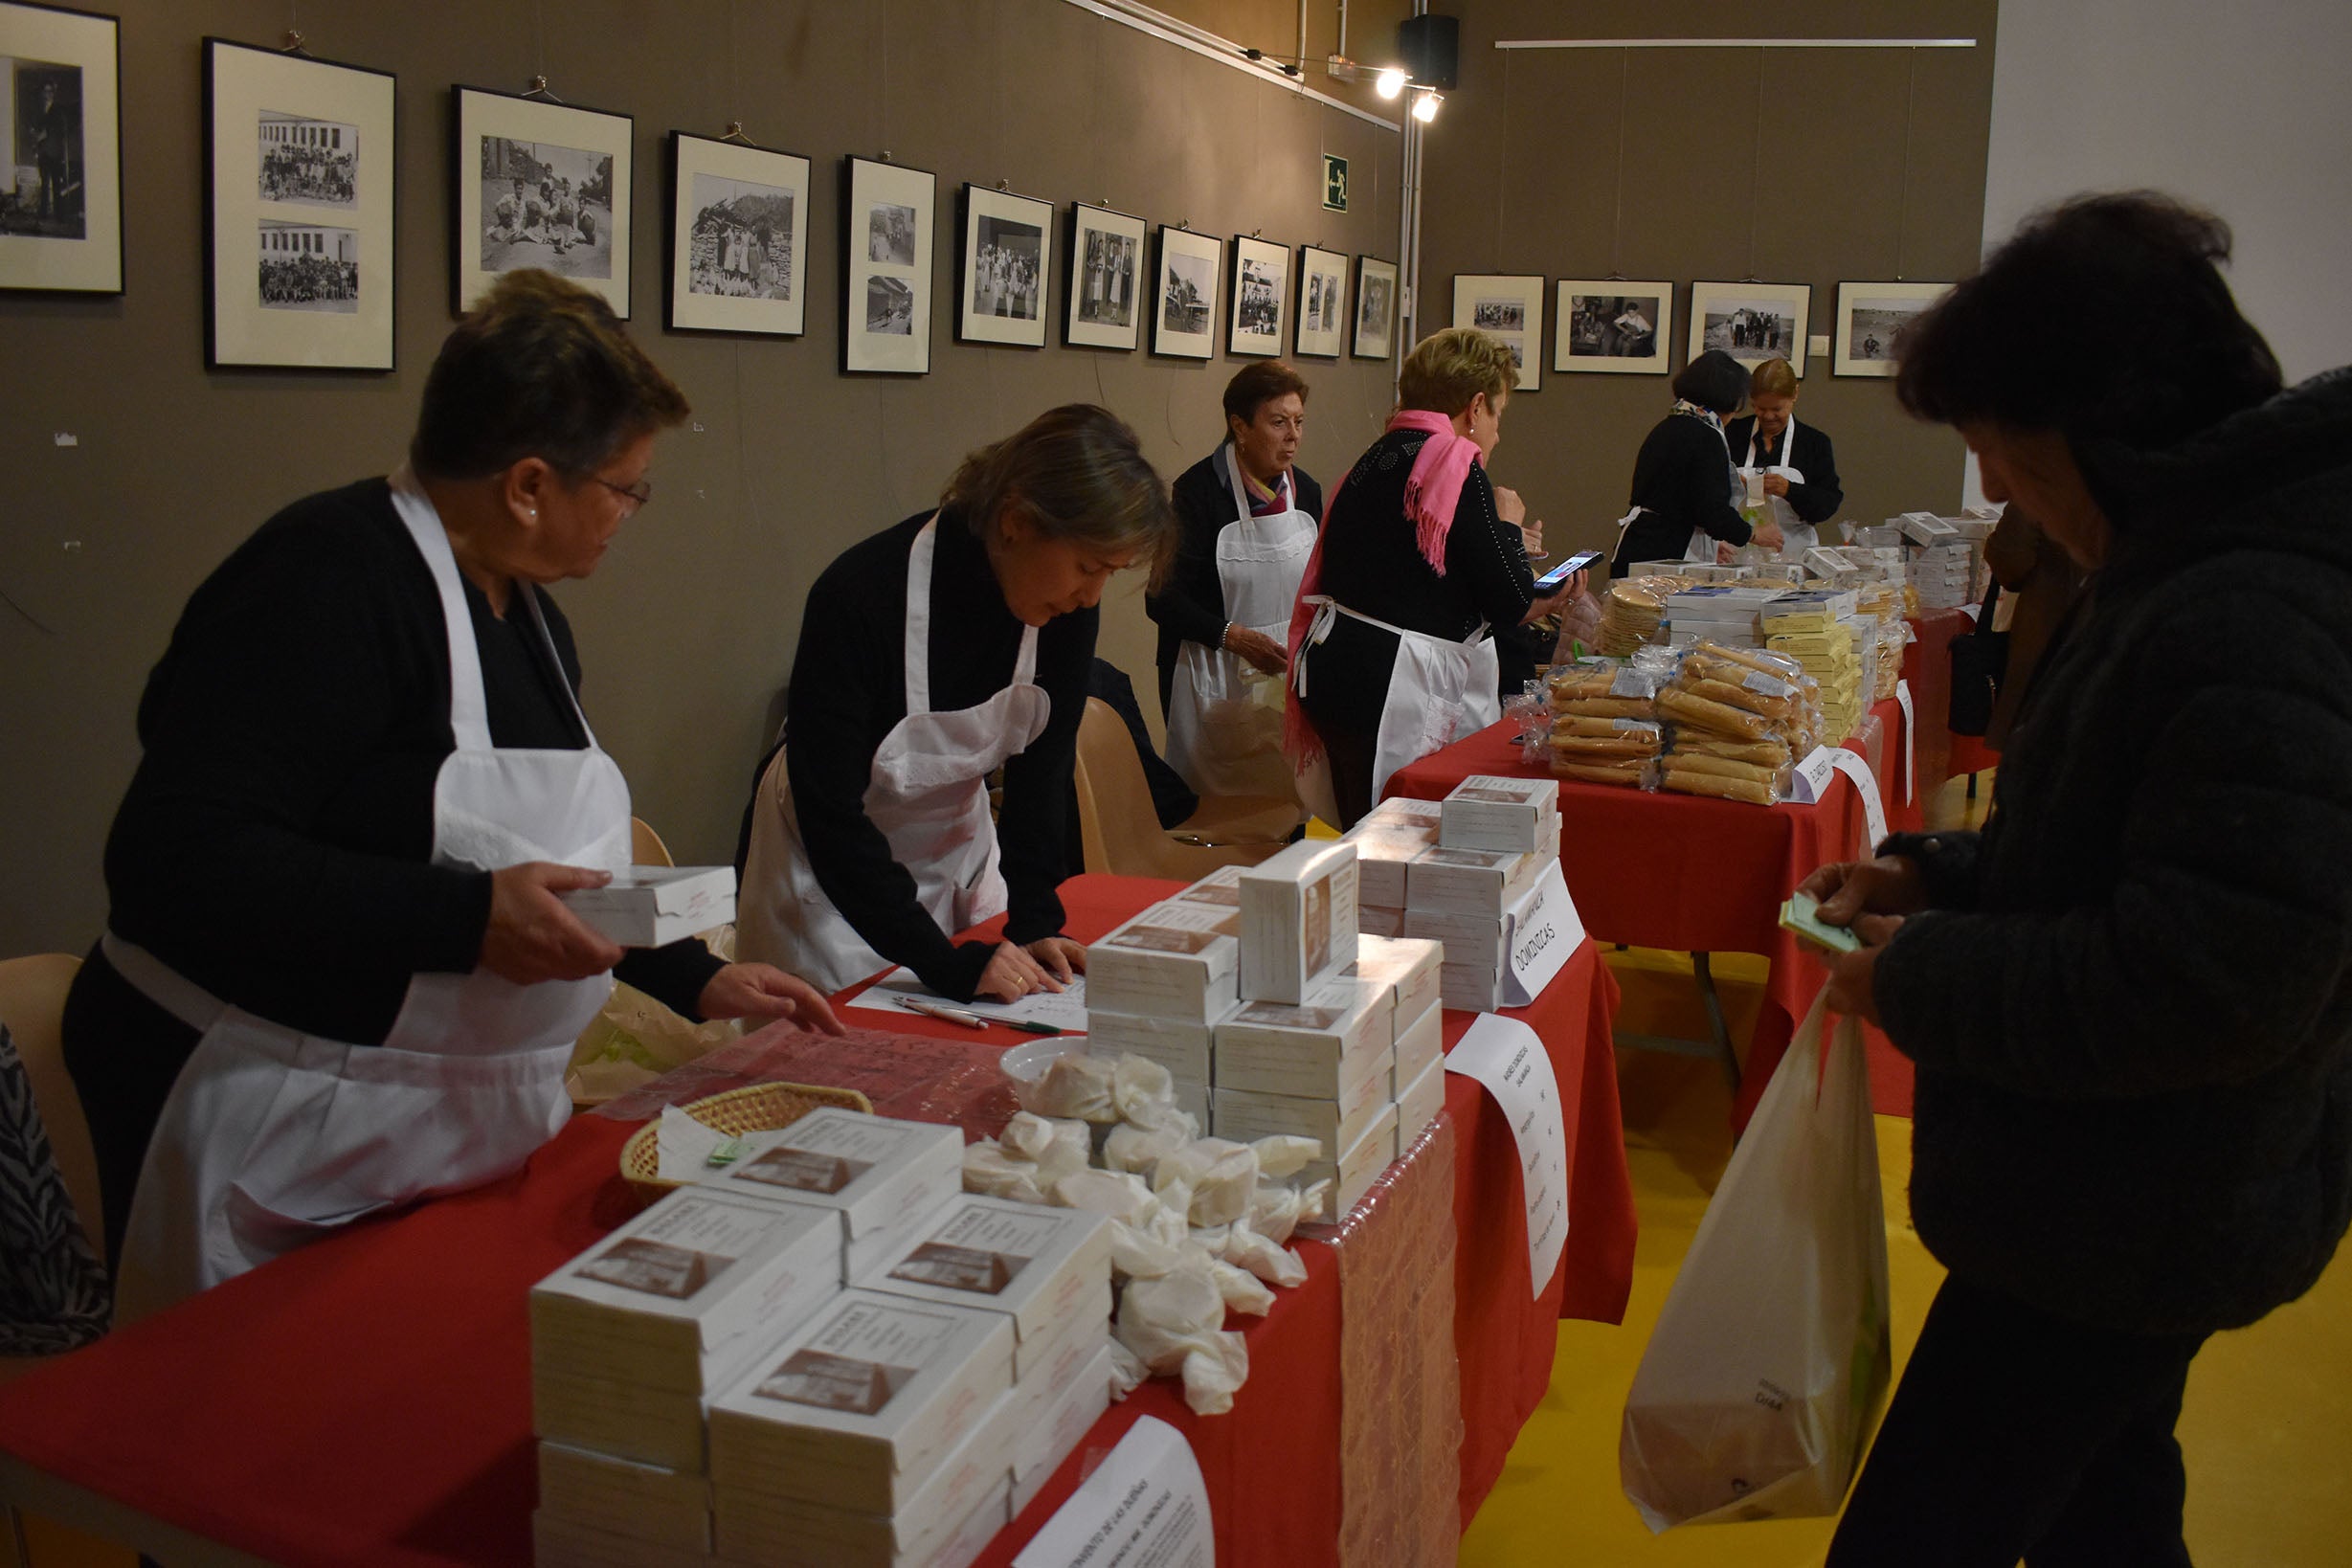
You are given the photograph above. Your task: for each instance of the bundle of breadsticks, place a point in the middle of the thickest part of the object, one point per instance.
(1740, 717)
(1605, 721)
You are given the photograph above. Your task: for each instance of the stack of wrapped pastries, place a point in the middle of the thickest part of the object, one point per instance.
(1740, 717)
(1605, 721)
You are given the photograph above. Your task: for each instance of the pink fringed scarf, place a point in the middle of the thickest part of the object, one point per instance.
(1431, 493)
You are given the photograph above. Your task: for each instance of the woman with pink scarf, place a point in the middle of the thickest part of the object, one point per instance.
(1421, 557)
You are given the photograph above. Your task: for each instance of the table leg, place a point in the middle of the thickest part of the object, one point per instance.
(1718, 1044)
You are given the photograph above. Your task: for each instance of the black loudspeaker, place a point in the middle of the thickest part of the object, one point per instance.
(1431, 49)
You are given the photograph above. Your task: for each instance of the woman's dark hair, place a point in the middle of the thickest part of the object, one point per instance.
(540, 368)
(1255, 384)
(1715, 381)
(1080, 475)
(2104, 318)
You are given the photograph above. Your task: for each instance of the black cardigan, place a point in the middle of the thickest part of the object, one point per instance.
(1682, 482)
(1190, 607)
(2132, 1005)
(1817, 498)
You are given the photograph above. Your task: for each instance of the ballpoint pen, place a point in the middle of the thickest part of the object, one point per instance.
(953, 1015)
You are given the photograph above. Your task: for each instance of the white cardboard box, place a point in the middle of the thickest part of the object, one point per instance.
(1379, 920)
(1383, 851)
(1471, 988)
(1298, 920)
(679, 1296)
(1471, 940)
(876, 1171)
(652, 906)
(660, 1427)
(1486, 811)
(1419, 1101)
(1222, 887)
(1476, 882)
(1176, 960)
(1043, 1268)
(1053, 1369)
(1359, 1165)
(1405, 811)
(1243, 1114)
(1057, 1431)
(858, 1408)
(1420, 1042)
(648, 1503)
(1316, 1048)
(560, 1541)
(1409, 965)
(1182, 1045)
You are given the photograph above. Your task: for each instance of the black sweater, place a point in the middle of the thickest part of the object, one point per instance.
(1817, 498)
(848, 691)
(2132, 1008)
(1191, 606)
(1682, 481)
(1372, 563)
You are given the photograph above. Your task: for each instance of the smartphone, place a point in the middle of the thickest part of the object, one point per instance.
(1566, 569)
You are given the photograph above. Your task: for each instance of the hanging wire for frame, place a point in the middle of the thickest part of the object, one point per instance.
(1617, 241)
(1502, 164)
(736, 133)
(539, 88)
(1755, 180)
(1902, 201)
(293, 45)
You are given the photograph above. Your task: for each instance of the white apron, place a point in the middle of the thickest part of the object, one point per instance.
(927, 793)
(1702, 545)
(1437, 691)
(1798, 534)
(1224, 715)
(271, 1137)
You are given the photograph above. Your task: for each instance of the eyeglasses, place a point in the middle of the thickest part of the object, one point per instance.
(638, 494)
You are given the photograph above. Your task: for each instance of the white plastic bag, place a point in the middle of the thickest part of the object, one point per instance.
(1771, 1357)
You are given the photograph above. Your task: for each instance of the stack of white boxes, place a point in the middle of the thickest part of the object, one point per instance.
(1159, 985)
(1725, 614)
(1939, 562)
(875, 1175)
(1418, 1079)
(1390, 836)
(1496, 837)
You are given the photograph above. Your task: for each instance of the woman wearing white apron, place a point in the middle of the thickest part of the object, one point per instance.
(1247, 519)
(1686, 496)
(1420, 557)
(930, 655)
(337, 976)
(1797, 469)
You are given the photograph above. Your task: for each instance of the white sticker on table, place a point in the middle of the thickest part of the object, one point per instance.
(1542, 931)
(1506, 1056)
(1144, 1506)
(1809, 782)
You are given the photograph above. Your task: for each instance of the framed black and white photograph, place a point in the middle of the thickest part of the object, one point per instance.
(1870, 315)
(1375, 309)
(1613, 327)
(1106, 278)
(539, 184)
(61, 202)
(1750, 321)
(1002, 268)
(1322, 304)
(886, 267)
(1261, 296)
(737, 259)
(1510, 307)
(1184, 310)
(299, 211)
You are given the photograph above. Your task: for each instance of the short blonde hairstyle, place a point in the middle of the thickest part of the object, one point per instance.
(1446, 370)
(1773, 379)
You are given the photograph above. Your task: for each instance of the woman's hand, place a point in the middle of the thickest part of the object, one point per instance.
(1723, 553)
(1061, 958)
(763, 991)
(1776, 484)
(1552, 603)
(1259, 649)
(1014, 971)
(1769, 536)
(1530, 539)
(531, 937)
(1508, 507)
(1849, 889)
(1853, 976)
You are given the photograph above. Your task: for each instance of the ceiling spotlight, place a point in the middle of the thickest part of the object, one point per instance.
(1425, 108)
(1391, 82)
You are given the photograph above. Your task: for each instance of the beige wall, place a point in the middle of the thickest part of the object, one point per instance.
(1522, 177)
(688, 631)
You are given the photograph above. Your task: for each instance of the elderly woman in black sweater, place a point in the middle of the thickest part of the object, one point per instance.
(2129, 998)
(1683, 480)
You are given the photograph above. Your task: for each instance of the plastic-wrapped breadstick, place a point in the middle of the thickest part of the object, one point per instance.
(1684, 708)
(1722, 789)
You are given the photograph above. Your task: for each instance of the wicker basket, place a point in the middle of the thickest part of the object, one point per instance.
(758, 1107)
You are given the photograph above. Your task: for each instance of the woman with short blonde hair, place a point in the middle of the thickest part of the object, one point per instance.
(1422, 556)
(1791, 465)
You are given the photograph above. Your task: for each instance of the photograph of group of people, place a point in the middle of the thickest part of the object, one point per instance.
(742, 245)
(545, 206)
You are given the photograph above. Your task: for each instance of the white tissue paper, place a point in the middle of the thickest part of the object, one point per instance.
(1283, 1157)
(1122, 1196)
(1221, 1193)
(1143, 1090)
(992, 1173)
(1072, 1146)
(1126, 1373)
(1272, 1264)
(1215, 1373)
(1075, 1086)
(1028, 1135)
(1140, 1149)
(1243, 1290)
(1274, 1212)
(683, 1146)
(1140, 1255)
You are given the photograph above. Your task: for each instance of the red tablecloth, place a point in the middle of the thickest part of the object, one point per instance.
(1681, 872)
(367, 1401)
(1927, 665)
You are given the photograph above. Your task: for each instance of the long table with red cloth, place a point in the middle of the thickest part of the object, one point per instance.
(1682, 872)
(367, 1401)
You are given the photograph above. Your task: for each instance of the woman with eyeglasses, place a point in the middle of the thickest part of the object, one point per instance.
(338, 974)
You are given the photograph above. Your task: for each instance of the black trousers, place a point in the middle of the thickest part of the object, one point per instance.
(2015, 1434)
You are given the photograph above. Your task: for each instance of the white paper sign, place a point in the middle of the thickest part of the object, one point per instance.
(1065, 1010)
(1809, 781)
(1911, 739)
(1144, 1506)
(1540, 932)
(1506, 1056)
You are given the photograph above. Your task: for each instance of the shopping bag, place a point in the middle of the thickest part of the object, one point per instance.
(1771, 1357)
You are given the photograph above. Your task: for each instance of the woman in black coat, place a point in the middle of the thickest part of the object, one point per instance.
(1798, 467)
(2128, 999)
(1683, 481)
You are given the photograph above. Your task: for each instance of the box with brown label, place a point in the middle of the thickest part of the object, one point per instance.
(876, 1173)
(1490, 812)
(1298, 920)
(1472, 882)
(1176, 960)
(1316, 1048)
(1043, 1268)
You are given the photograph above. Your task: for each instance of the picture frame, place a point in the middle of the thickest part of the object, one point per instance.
(1184, 310)
(61, 232)
(886, 212)
(1322, 331)
(1003, 268)
(1261, 293)
(539, 184)
(735, 245)
(1105, 309)
(1613, 326)
(1510, 307)
(301, 208)
(1375, 309)
(1752, 321)
(1870, 315)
